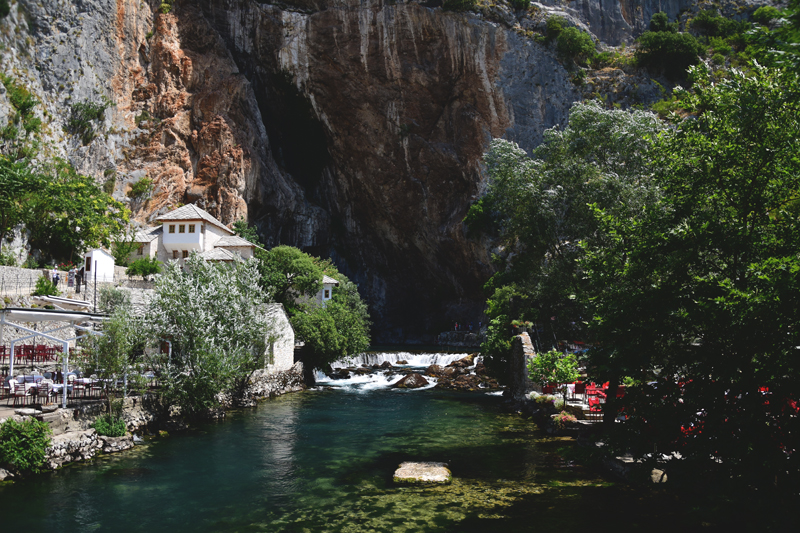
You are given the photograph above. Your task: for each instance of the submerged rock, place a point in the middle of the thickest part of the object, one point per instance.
(434, 371)
(410, 472)
(411, 381)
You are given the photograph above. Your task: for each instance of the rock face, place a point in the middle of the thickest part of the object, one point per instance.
(350, 128)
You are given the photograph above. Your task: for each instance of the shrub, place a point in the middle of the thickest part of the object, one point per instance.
(555, 25)
(110, 426)
(563, 419)
(7, 258)
(141, 188)
(660, 22)
(711, 24)
(670, 53)
(5, 9)
(574, 45)
(459, 5)
(82, 118)
(144, 267)
(766, 14)
(520, 4)
(45, 287)
(23, 445)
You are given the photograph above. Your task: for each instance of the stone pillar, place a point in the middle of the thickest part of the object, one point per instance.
(521, 352)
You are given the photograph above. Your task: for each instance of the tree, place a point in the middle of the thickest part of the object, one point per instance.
(573, 45)
(145, 266)
(72, 213)
(701, 296)
(554, 367)
(539, 209)
(667, 52)
(287, 274)
(213, 315)
(17, 185)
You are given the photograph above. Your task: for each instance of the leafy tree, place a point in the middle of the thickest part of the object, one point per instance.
(670, 53)
(554, 367)
(5, 9)
(246, 232)
(288, 274)
(766, 14)
(72, 213)
(213, 315)
(540, 210)
(23, 445)
(702, 296)
(17, 185)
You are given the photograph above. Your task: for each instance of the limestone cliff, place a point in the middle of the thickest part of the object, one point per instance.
(350, 128)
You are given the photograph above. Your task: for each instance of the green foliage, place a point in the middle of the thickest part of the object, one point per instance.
(288, 274)
(141, 188)
(83, 116)
(7, 258)
(520, 5)
(5, 9)
(701, 293)
(23, 102)
(213, 315)
(660, 22)
(145, 266)
(112, 298)
(713, 25)
(670, 53)
(764, 15)
(555, 25)
(142, 117)
(45, 287)
(246, 232)
(110, 426)
(573, 45)
(70, 212)
(23, 445)
(554, 367)
(459, 5)
(563, 420)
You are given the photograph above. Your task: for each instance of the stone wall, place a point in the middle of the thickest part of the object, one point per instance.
(519, 385)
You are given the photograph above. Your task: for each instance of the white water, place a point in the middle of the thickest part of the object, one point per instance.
(368, 382)
(423, 360)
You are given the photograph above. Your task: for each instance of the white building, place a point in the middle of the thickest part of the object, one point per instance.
(190, 229)
(326, 293)
(280, 350)
(98, 264)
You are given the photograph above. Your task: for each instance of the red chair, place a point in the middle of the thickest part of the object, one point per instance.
(595, 411)
(3, 354)
(548, 389)
(20, 394)
(580, 389)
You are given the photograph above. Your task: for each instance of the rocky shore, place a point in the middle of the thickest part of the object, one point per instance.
(74, 439)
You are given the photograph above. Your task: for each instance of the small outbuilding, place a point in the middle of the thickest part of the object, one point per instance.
(99, 265)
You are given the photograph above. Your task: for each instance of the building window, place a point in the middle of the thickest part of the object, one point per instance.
(185, 254)
(327, 294)
(88, 264)
(174, 254)
(172, 228)
(140, 251)
(191, 228)
(182, 228)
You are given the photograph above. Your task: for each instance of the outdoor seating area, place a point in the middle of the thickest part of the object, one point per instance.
(30, 353)
(47, 388)
(587, 395)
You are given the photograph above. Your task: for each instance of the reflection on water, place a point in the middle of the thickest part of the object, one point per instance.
(323, 460)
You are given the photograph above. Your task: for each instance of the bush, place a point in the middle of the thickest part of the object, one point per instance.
(82, 117)
(573, 45)
(520, 4)
(563, 419)
(5, 9)
(45, 287)
(141, 188)
(711, 24)
(144, 267)
(670, 53)
(766, 14)
(7, 258)
(23, 445)
(555, 25)
(459, 5)
(110, 426)
(660, 22)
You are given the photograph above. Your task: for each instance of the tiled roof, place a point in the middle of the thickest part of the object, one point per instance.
(219, 254)
(232, 240)
(326, 279)
(148, 234)
(192, 212)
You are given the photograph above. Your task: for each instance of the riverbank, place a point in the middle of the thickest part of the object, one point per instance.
(74, 439)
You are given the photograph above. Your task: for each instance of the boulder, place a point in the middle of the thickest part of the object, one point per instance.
(402, 362)
(411, 381)
(433, 370)
(386, 364)
(410, 472)
(464, 362)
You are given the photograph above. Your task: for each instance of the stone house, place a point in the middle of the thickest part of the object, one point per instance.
(190, 229)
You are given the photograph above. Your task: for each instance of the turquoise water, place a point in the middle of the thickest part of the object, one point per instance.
(321, 460)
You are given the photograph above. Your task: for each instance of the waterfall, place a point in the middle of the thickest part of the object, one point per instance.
(411, 359)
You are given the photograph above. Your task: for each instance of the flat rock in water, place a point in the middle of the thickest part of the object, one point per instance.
(410, 472)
